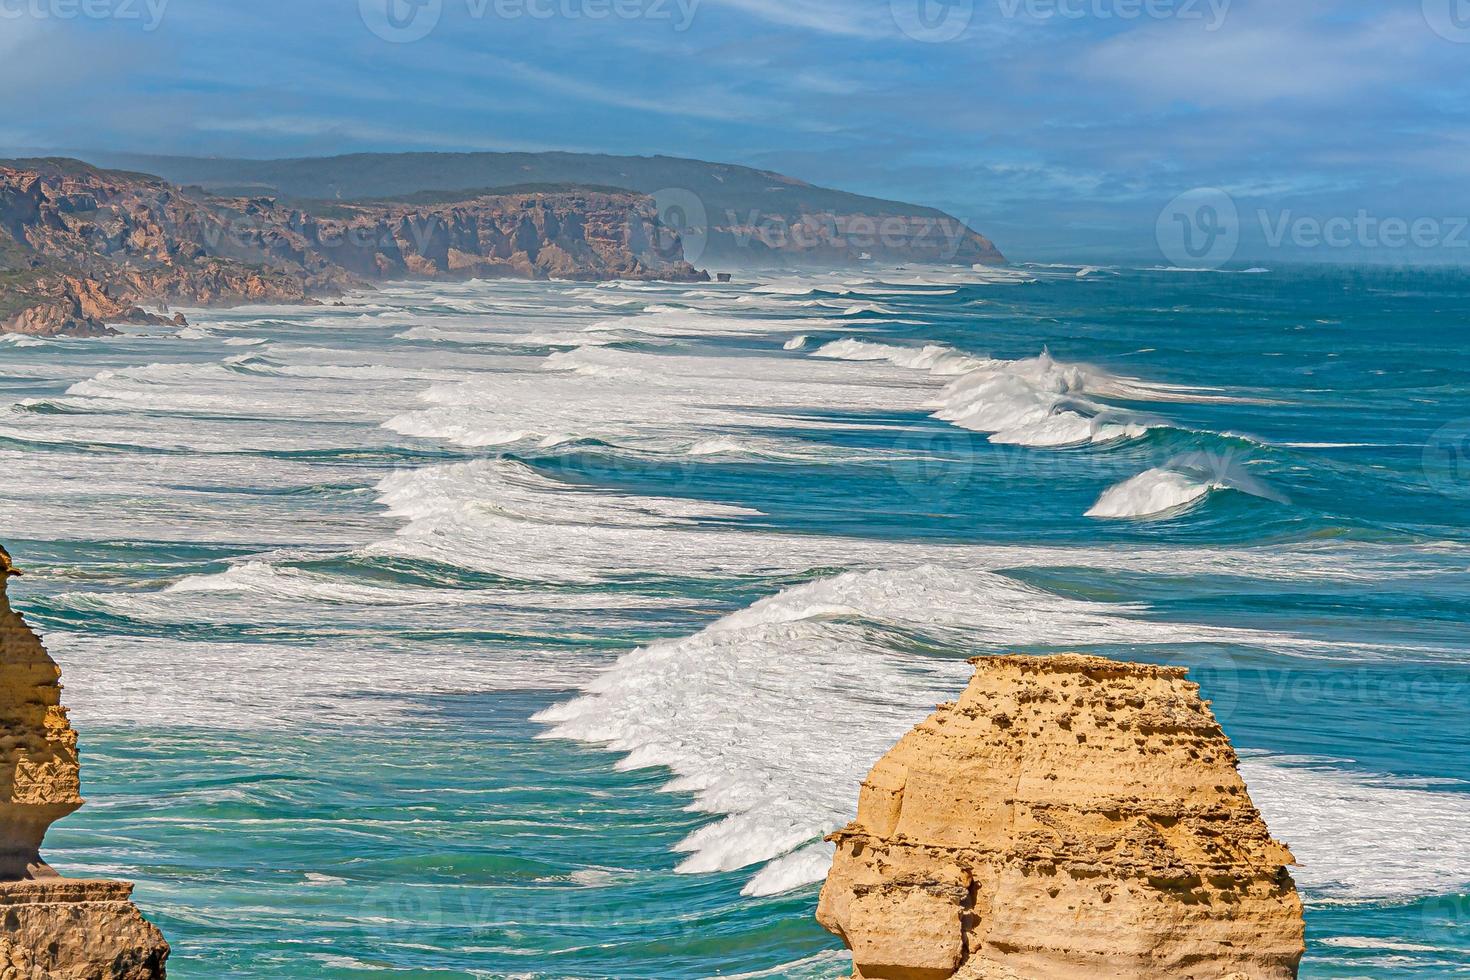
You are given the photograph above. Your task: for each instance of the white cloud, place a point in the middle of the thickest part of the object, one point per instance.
(310, 126)
(1263, 53)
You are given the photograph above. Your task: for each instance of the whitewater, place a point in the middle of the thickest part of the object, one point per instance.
(545, 629)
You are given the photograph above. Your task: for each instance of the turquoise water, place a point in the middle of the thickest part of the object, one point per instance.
(511, 629)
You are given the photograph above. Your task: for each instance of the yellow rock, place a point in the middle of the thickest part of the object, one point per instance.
(54, 927)
(39, 774)
(1070, 817)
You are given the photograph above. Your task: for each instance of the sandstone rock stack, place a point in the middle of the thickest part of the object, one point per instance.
(1070, 817)
(53, 927)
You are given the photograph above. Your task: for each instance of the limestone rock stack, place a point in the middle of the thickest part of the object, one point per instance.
(1070, 817)
(53, 926)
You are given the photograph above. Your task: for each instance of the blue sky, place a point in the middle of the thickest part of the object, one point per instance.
(1062, 128)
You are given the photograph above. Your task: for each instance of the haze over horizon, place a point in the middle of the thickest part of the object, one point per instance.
(1060, 128)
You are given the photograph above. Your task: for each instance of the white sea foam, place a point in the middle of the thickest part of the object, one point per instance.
(1153, 493)
(652, 399)
(1361, 838)
(87, 493)
(285, 384)
(1037, 402)
(360, 679)
(791, 871)
(672, 322)
(821, 966)
(773, 714)
(718, 447)
(256, 592)
(506, 518)
(770, 716)
(1370, 942)
(1180, 484)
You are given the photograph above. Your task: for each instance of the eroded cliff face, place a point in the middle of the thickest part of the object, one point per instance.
(1069, 817)
(81, 247)
(566, 235)
(75, 306)
(54, 927)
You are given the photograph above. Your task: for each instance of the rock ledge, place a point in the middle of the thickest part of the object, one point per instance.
(54, 928)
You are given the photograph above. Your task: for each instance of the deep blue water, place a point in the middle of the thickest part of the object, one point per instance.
(327, 582)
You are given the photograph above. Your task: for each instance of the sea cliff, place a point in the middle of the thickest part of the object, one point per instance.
(736, 216)
(1069, 817)
(54, 927)
(81, 248)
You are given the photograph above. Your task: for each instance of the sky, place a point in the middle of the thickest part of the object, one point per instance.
(1061, 128)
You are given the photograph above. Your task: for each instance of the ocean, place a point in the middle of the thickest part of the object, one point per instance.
(511, 629)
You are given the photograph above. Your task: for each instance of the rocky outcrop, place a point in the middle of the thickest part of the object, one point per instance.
(61, 929)
(81, 248)
(53, 927)
(1070, 817)
(77, 307)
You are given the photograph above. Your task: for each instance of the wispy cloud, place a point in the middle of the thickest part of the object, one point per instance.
(316, 127)
(1265, 53)
(702, 103)
(1043, 129)
(842, 18)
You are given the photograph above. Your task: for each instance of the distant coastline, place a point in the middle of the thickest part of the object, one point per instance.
(83, 247)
